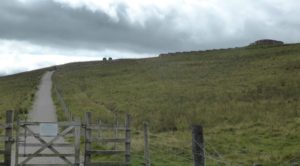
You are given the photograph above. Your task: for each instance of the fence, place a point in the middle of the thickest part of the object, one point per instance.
(117, 135)
(68, 129)
(7, 139)
(47, 141)
(104, 134)
(68, 115)
(94, 134)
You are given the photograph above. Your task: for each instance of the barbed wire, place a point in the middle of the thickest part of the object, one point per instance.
(214, 149)
(207, 155)
(156, 147)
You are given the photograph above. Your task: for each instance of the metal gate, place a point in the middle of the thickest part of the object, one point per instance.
(48, 143)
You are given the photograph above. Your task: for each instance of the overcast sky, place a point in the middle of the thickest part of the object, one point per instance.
(39, 33)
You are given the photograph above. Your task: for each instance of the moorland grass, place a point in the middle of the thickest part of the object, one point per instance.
(247, 99)
(17, 92)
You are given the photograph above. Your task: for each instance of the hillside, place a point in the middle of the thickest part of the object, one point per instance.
(247, 99)
(18, 91)
(220, 83)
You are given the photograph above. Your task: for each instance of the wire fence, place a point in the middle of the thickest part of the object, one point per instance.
(59, 95)
(184, 153)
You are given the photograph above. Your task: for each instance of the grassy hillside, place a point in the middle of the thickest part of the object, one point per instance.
(247, 99)
(17, 91)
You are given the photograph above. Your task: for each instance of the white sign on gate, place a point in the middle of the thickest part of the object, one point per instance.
(48, 129)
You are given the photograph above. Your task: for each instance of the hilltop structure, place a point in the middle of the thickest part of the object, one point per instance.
(266, 42)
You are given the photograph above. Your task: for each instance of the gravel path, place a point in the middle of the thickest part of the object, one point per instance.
(43, 107)
(44, 111)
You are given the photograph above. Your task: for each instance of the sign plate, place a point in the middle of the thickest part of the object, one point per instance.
(48, 129)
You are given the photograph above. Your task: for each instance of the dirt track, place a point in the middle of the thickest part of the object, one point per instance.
(44, 111)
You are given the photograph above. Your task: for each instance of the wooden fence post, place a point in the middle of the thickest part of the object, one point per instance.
(77, 141)
(116, 128)
(17, 116)
(198, 146)
(146, 148)
(99, 129)
(9, 139)
(88, 137)
(127, 139)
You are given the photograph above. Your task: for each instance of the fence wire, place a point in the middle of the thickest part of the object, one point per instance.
(185, 153)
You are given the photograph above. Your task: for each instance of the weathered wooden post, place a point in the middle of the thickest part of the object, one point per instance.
(9, 139)
(146, 145)
(127, 139)
(77, 141)
(17, 114)
(88, 137)
(71, 117)
(99, 129)
(116, 127)
(198, 146)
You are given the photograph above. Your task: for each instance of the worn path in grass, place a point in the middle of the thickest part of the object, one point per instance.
(44, 111)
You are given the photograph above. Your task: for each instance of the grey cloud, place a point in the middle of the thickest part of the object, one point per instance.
(50, 23)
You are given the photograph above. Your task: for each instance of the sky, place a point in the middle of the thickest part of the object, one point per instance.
(41, 33)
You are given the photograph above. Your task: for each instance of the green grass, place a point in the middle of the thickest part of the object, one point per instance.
(17, 91)
(247, 99)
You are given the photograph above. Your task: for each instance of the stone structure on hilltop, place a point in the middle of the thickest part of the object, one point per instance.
(266, 42)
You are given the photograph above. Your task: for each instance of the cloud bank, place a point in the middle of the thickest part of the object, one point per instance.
(134, 28)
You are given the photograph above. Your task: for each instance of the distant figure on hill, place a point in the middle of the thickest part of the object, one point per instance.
(107, 59)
